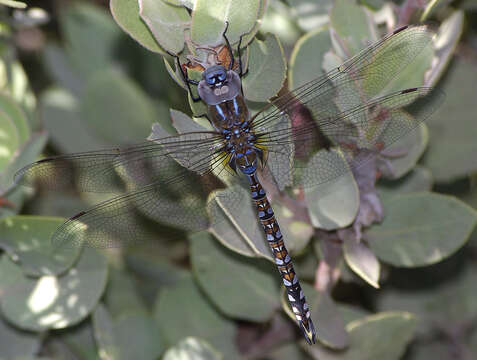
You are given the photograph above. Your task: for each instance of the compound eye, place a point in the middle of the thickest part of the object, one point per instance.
(210, 80)
(222, 76)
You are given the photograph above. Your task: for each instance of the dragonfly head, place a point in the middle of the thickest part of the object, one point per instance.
(218, 85)
(215, 75)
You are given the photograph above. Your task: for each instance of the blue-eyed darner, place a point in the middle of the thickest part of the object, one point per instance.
(344, 108)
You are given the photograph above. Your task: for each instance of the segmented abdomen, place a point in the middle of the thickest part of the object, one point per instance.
(282, 259)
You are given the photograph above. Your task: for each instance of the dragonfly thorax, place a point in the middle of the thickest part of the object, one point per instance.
(221, 90)
(240, 145)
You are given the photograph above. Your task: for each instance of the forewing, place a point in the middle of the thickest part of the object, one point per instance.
(107, 170)
(359, 79)
(344, 108)
(178, 200)
(372, 126)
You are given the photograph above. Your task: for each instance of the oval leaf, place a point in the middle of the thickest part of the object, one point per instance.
(421, 229)
(117, 109)
(353, 27)
(334, 204)
(267, 69)
(18, 117)
(51, 302)
(166, 22)
(255, 294)
(126, 14)
(27, 240)
(209, 20)
(194, 349)
(380, 336)
(451, 142)
(16, 344)
(183, 311)
(363, 262)
(9, 139)
(307, 56)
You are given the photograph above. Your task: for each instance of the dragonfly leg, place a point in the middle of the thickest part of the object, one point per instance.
(229, 48)
(186, 78)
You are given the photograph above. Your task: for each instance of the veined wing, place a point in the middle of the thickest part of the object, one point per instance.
(176, 200)
(344, 108)
(97, 171)
(357, 80)
(372, 126)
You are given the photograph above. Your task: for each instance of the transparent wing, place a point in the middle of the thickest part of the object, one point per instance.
(360, 78)
(119, 221)
(168, 180)
(101, 171)
(366, 130)
(345, 108)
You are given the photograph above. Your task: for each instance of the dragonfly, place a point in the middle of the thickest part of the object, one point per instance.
(347, 112)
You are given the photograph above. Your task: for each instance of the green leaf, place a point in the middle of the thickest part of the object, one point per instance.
(17, 116)
(79, 341)
(287, 352)
(278, 19)
(362, 261)
(14, 82)
(108, 347)
(451, 142)
(209, 20)
(183, 311)
(116, 108)
(160, 273)
(296, 232)
(333, 204)
(380, 336)
(446, 41)
(27, 240)
(350, 23)
(59, 68)
(91, 36)
(14, 4)
(329, 324)
(183, 123)
(306, 58)
(51, 302)
(9, 139)
(17, 343)
(430, 8)
(126, 15)
(187, 3)
(414, 142)
(311, 14)
(131, 336)
(225, 231)
(351, 313)
(25, 155)
(216, 267)
(138, 336)
(166, 22)
(121, 294)
(421, 229)
(418, 180)
(244, 220)
(425, 350)
(192, 348)
(444, 301)
(67, 129)
(267, 69)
